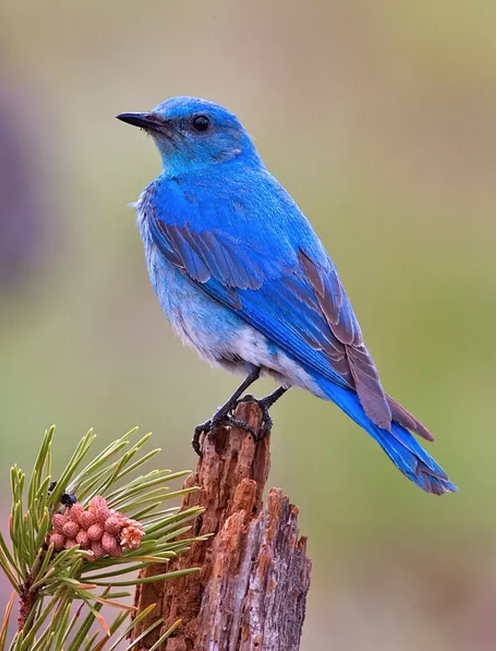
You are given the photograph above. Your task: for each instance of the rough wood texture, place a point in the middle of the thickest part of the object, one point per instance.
(251, 592)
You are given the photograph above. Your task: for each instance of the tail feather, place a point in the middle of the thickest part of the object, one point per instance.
(407, 420)
(398, 443)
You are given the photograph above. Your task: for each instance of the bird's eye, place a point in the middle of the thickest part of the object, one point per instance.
(201, 123)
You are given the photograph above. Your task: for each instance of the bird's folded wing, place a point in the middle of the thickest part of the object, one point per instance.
(296, 300)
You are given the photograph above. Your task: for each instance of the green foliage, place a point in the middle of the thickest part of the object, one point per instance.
(48, 583)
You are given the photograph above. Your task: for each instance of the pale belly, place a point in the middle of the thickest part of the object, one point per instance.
(219, 335)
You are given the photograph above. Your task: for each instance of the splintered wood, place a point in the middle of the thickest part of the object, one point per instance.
(250, 594)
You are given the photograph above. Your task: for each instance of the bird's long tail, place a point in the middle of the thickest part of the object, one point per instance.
(399, 444)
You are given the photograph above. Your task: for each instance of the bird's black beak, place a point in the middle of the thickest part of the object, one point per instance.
(147, 121)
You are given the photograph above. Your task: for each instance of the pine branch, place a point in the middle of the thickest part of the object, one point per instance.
(75, 542)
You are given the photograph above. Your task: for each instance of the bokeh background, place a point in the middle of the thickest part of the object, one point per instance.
(379, 118)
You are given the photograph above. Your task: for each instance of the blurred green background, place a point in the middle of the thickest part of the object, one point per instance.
(379, 119)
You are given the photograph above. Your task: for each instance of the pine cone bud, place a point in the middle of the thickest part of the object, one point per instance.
(82, 539)
(132, 534)
(97, 529)
(57, 540)
(97, 549)
(58, 521)
(113, 524)
(87, 519)
(98, 506)
(70, 529)
(95, 532)
(75, 512)
(111, 544)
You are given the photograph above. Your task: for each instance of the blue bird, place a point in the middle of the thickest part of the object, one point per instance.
(243, 278)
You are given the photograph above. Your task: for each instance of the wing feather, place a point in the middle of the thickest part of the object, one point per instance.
(302, 305)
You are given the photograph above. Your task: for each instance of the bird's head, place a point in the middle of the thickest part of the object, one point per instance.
(191, 133)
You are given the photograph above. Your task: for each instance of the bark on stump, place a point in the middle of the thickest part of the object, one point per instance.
(251, 591)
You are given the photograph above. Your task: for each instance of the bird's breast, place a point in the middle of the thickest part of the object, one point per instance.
(195, 317)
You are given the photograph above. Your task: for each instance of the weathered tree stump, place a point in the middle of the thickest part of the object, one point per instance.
(251, 591)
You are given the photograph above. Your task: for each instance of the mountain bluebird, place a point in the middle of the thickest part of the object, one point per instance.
(244, 279)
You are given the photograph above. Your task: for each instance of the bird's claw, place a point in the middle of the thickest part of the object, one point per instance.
(266, 422)
(204, 428)
(225, 420)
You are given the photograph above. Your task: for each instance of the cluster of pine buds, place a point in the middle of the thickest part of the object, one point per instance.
(98, 529)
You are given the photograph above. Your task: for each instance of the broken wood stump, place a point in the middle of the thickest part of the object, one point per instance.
(250, 593)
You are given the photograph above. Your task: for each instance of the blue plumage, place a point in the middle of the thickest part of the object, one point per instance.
(244, 279)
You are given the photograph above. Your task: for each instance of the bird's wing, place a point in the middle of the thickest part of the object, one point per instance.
(290, 291)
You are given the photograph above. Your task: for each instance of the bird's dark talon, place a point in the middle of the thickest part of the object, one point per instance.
(224, 414)
(241, 424)
(217, 421)
(204, 428)
(264, 405)
(266, 427)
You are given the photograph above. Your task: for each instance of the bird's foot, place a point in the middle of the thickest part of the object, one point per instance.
(224, 416)
(266, 422)
(221, 418)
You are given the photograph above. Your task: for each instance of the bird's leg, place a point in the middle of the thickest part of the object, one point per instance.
(265, 404)
(222, 415)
